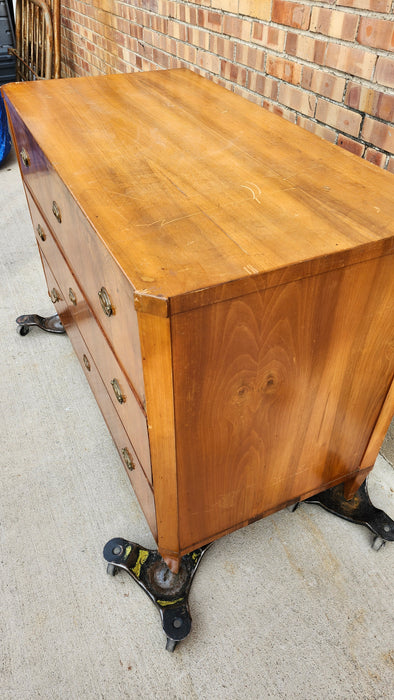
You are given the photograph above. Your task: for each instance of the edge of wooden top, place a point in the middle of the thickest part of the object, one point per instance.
(145, 302)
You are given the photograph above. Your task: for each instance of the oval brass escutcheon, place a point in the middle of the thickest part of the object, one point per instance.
(117, 391)
(40, 232)
(25, 158)
(72, 297)
(54, 294)
(56, 212)
(128, 460)
(86, 362)
(105, 301)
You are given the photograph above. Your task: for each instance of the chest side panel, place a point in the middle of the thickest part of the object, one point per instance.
(277, 393)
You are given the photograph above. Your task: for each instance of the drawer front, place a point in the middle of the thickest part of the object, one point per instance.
(109, 293)
(115, 381)
(127, 453)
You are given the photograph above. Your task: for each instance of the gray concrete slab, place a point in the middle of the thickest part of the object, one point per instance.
(294, 606)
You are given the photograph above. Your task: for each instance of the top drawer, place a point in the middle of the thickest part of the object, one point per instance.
(107, 289)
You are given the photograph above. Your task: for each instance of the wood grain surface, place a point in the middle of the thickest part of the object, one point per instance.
(251, 268)
(277, 393)
(155, 333)
(198, 188)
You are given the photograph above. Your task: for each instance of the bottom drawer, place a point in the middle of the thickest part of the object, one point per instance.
(133, 468)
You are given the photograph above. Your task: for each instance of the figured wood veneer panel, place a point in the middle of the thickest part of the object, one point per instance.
(277, 393)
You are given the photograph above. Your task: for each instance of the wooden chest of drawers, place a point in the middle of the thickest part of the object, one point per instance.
(226, 280)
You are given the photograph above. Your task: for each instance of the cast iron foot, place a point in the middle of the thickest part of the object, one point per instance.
(51, 324)
(358, 509)
(168, 591)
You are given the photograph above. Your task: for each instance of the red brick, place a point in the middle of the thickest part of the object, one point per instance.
(186, 52)
(232, 72)
(378, 104)
(280, 111)
(340, 25)
(390, 166)
(147, 36)
(323, 131)
(377, 33)
(243, 92)
(177, 30)
(263, 85)
(338, 117)
(251, 57)
(384, 73)
(142, 18)
(379, 134)
(222, 47)
(373, 5)
(297, 99)
(208, 61)
(306, 47)
(291, 14)
(237, 27)
(225, 5)
(198, 37)
(161, 59)
(349, 145)
(323, 83)
(270, 37)
(210, 20)
(376, 157)
(351, 60)
(285, 70)
(218, 80)
(254, 8)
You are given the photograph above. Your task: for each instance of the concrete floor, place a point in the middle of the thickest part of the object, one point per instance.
(294, 606)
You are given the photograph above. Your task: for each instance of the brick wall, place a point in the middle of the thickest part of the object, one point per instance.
(327, 66)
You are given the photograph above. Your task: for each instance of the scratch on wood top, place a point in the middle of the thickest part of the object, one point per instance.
(250, 270)
(254, 189)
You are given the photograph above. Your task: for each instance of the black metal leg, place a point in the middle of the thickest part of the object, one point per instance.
(168, 591)
(358, 509)
(51, 324)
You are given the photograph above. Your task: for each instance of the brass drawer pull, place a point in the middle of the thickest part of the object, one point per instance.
(86, 362)
(40, 232)
(56, 212)
(117, 391)
(128, 460)
(72, 297)
(54, 294)
(105, 301)
(25, 158)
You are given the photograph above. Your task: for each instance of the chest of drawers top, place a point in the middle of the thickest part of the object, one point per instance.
(197, 194)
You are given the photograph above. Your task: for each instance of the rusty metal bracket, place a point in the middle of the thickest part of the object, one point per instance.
(168, 591)
(51, 324)
(37, 50)
(358, 509)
